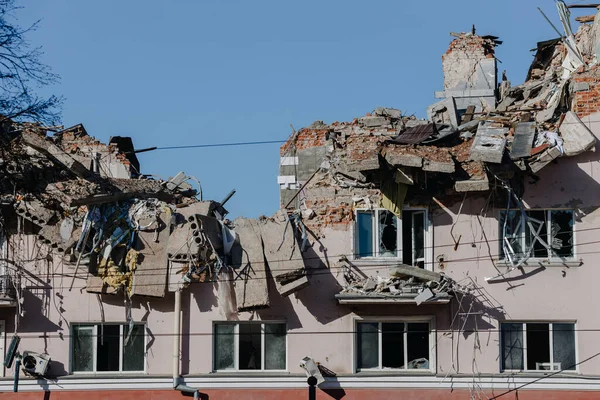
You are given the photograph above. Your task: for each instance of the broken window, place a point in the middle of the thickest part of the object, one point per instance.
(108, 348)
(537, 234)
(538, 346)
(380, 233)
(250, 346)
(393, 345)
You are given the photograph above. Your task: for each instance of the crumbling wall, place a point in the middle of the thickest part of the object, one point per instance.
(469, 63)
(586, 88)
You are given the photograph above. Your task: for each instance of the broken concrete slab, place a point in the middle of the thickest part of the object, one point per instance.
(281, 250)
(108, 190)
(577, 137)
(51, 235)
(439, 166)
(489, 143)
(388, 112)
(397, 157)
(293, 286)
(478, 183)
(403, 270)
(150, 276)
(56, 153)
(544, 159)
(373, 122)
(248, 261)
(35, 211)
(523, 140)
(443, 112)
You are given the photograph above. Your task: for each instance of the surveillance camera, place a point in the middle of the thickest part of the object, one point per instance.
(312, 370)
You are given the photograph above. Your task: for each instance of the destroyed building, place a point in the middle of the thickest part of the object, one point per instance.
(446, 257)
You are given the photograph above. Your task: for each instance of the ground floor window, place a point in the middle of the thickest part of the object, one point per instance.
(393, 345)
(250, 346)
(108, 348)
(534, 346)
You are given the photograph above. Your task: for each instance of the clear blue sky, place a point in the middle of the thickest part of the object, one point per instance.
(199, 72)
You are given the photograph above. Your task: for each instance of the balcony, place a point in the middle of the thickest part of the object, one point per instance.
(8, 292)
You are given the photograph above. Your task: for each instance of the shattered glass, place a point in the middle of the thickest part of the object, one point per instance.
(388, 234)
(134, 351)
(224, 346)
(562, 233)
(537, 218)
(275, 346)
(83, 348)
(511, 233)
(368, 345)
(563, 339)
(512, 346)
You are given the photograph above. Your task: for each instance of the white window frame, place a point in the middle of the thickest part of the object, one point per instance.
(406, 320)
(95, 334)
(428, 235)
(547, 220)
(550, 332)
(236, 344)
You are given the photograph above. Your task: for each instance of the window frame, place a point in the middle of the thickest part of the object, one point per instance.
(427, 236)
(547, 220)
(236, 346)
(551, 344)
(95, 336)
(430, 319)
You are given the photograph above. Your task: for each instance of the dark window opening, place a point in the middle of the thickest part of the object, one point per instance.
(538, 346)
(250, 348)
(108, 347)
(393, 343)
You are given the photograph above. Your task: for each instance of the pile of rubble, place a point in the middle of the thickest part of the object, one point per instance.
(478, 131)
(404, 282)
(126, 232)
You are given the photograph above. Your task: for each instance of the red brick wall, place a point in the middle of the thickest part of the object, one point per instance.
(588, 101)
(306, 138)
(301, 394)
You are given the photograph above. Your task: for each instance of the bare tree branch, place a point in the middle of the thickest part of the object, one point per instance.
(21, 69)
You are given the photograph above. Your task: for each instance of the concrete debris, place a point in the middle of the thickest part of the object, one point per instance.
(89, 202)
(577, 137)
(404, 281)
(476, 126)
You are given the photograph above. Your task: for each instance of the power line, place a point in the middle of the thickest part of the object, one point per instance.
(290, 333)
(195, 146)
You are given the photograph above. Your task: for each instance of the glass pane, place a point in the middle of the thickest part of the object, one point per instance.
(275, 346)
(224, 346)
(418, 346)
(418, 238)
(563, 338)
(108, 347)
(388, 234)
(368, 345)
(250, 349)
(364, 221)
(538, 347)
(392, 342)
(512, 346)
(562, 232)
(83, 348)
(511, 234)
(538, 221)
(134, 349)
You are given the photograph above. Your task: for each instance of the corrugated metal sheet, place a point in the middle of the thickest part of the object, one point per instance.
(416, 134)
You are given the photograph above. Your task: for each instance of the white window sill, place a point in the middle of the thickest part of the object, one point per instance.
(394, 371)
(238, 372)
(534, 372)
(545, 262)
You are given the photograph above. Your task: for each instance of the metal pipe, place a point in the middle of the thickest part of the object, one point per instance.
(17, 368)
(176, 347)
(176, 337)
